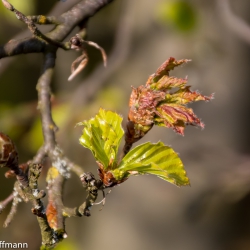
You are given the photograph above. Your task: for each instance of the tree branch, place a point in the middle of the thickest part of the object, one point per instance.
(58, 8)
(44, 103)
(51, 223)
(69, 20)
(22, 46)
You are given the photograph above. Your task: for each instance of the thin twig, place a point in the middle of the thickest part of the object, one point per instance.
(31, 25)
(104, 56)
(13, 210)
(82, 62)
(92, 186)
(40, 155)
(56, 11)
(74, 167)
(5, 202)
(77, 42)
(70, 19)
(44, 102)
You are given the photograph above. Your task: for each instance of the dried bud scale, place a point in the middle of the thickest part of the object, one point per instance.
(8, 152)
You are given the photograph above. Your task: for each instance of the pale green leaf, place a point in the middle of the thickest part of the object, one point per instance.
(156, 159)
(102, 135)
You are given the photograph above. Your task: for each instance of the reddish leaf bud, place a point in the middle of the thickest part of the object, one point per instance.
(8, 152)
(10, 174)
(162, 101)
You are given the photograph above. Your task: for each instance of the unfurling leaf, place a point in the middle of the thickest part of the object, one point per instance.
(156, 159)
(164, 69)
(162, 101)
(102, 135)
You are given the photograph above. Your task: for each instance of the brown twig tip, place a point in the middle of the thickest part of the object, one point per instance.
(104, 55)
(8, 5)
(77, 43)
(11, 173)
(82, 60)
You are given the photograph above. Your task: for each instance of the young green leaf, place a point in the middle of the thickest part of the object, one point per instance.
(156, 159)
(102, 135)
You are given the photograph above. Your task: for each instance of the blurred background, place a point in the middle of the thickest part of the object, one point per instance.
(144, 212)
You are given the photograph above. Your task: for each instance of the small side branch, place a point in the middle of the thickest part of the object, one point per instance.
(31, 25)
(74, 167)
(92, 186)
(13, 210)
(64, 24)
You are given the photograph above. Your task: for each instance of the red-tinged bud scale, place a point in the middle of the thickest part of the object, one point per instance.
(107, 177)
(8, 152)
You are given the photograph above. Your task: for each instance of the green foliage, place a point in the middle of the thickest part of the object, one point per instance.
(156, 159)
(102, 135)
